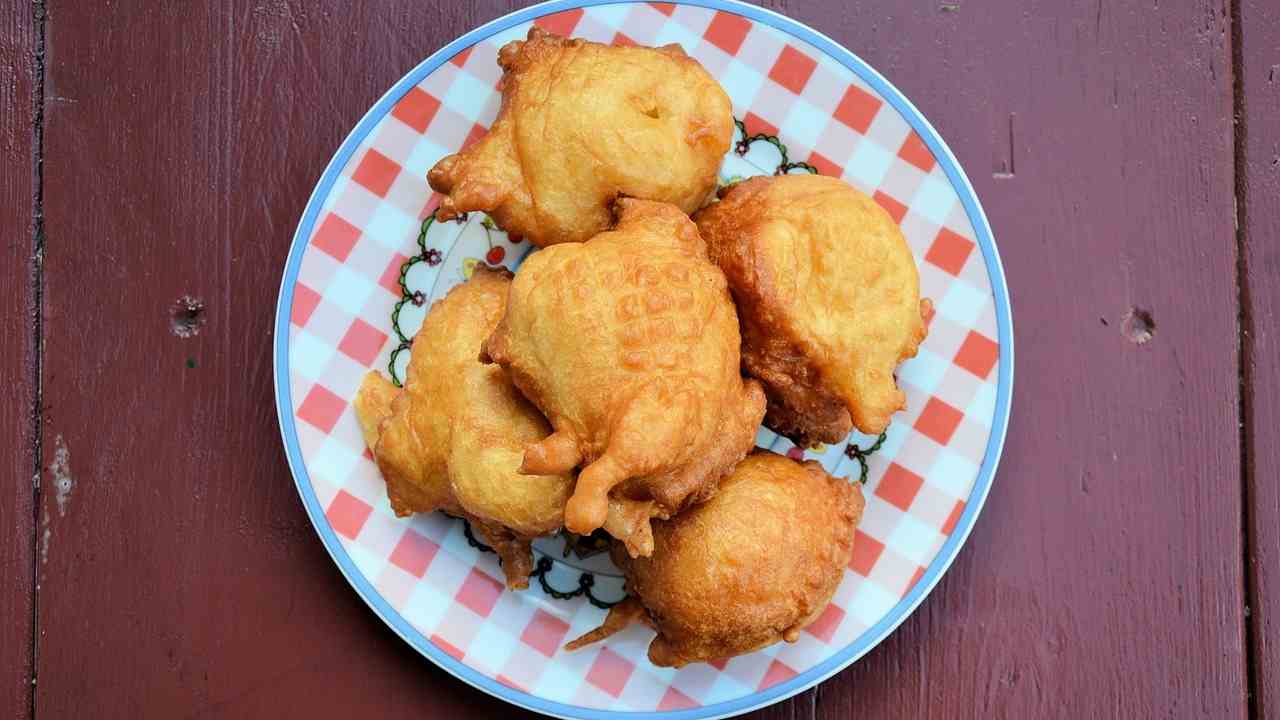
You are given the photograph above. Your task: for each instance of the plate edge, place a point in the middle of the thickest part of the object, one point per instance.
(946, 554)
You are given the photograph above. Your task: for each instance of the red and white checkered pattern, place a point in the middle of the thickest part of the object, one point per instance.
(919, 482)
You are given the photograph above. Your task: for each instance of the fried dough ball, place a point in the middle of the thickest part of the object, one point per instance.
(581, 124)
(629, 344)
(454, 438)
(829, 298)
(753, 565)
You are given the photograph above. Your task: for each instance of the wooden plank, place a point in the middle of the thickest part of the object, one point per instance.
(17, 362)
(1258, 25)
(1104, 578)
(183, 577)
(184, 565)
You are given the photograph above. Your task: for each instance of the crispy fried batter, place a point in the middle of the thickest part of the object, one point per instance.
(454, 438)
(629, 344)
(373, 405)
(829, 298)
(582, 123)
(753, 565)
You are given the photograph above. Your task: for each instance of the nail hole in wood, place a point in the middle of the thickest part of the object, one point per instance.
(186, 317)
(1138, 326)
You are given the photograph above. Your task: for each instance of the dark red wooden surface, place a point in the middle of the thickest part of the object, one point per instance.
(1105, 578)
(1259, 145)
(17, 355)
(183, 579)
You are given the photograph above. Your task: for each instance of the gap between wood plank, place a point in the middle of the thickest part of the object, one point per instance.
(38, 18)
(1244, 348)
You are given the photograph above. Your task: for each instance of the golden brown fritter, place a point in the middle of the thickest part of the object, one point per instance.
(829, 298)
(753, 565)
(629, 344)
(453, 440)
(373, 405)
(582, 123)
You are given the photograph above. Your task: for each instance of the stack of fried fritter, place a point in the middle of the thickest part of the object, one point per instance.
(618, 379)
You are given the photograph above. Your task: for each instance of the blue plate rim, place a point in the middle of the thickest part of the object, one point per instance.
(840, 659)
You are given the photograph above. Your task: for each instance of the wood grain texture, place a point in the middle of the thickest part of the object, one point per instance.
(1259, 85)
(183, 578)
(1104, 577)
(17, 361)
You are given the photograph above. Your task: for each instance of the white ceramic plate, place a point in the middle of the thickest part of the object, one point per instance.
(344, 308)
